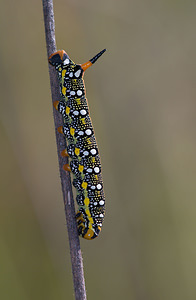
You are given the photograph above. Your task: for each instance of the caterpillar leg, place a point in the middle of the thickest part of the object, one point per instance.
(67, 168)
(64, 153)
(61, 107)
(60, 129)
(73, 151)
(56, 105)
(68, 131)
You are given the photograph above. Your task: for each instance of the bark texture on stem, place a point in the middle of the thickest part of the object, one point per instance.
(75, 251)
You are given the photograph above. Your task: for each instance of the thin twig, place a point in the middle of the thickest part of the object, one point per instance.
(75, 251)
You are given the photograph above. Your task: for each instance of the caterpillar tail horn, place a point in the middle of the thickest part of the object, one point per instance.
(89, 63)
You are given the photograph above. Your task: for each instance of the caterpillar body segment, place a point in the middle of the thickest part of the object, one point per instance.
(82, 147)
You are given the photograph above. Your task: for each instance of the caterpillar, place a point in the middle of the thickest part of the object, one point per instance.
(81, 147)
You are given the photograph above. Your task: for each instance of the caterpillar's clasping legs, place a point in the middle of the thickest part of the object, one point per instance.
(60, 129)
(89, 63)
(55, 104)
(64, 153)
(67, 168)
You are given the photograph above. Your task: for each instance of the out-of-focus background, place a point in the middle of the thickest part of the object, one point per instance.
(142, 99)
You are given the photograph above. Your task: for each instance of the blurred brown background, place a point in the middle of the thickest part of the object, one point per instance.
(142, 101)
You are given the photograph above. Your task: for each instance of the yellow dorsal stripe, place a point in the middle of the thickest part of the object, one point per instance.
(72, 130)
(63, 73)
(77, 151)
(86, 201)
(64, 90)
(84, 185)
(81, 168)
(67, 110)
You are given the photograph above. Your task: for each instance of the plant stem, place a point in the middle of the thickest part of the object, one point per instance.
(75, 250)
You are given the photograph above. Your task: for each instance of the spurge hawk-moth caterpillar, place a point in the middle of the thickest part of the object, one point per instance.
(82, 147)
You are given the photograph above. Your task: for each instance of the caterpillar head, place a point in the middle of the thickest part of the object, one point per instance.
(58, 58)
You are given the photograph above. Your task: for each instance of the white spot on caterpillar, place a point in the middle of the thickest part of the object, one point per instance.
(95, 203)
(101, 215)
(92, 187)
(99, 186)
(66, 61)
(101, 202)
(72, 93)
(93, 151)
(81, 132)
(77, 74)
(71, 74)
(76, 113)
(89, 170)
(88, 132)
(86, 153)
(83, 112)
(96, 169)
(79, 92)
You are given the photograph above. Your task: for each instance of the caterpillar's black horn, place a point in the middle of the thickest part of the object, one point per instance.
(95, 58)
(89, 63)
